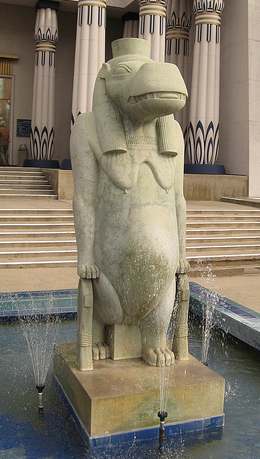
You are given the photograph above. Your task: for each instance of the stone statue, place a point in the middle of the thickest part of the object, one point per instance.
(127, 157)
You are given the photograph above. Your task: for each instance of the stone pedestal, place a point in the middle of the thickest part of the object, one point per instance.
(123, 396)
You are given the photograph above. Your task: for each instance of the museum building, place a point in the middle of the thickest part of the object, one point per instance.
(51, 52)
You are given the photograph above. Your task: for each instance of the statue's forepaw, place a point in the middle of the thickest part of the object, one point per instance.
(183, 267)
(159, 357)
(88, 272)
(101, 351)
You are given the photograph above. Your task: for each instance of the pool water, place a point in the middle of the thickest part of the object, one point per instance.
(26, 435)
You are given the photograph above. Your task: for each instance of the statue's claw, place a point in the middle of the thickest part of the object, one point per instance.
(88, 272)
(159, 357)
(101, 351)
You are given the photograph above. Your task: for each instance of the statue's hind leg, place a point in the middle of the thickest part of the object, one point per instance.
(156, 351)
(107, 311)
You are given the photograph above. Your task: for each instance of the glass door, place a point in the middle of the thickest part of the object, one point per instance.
(5, 119)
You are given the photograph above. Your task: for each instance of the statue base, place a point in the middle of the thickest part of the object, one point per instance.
(122, 398)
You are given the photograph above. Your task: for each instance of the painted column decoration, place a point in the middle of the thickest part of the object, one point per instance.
(46, 37)
(152, 26)
(131, 25)
(202, 146)
(89, 54)
(178, 45)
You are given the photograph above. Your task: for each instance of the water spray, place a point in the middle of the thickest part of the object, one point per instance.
(40, 390)
(162, 415)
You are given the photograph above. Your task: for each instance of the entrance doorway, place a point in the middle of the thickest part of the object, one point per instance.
(6, 84)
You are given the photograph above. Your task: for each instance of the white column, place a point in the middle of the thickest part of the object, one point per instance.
(131, 25)
(202, 144)
(152, 26)
(178, 46)
(46, 36)
(89, 53)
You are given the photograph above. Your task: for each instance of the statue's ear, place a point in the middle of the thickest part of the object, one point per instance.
(109, 125)
(168, 132)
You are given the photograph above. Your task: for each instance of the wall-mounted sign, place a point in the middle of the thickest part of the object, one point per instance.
(23, 128)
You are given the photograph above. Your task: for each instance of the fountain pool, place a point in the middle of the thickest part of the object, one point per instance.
(26, 435)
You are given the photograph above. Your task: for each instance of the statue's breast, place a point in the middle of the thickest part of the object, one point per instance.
(123, 169)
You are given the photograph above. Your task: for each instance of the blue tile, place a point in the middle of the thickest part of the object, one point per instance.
(232, 318)
(97, 442)
(147, 434)
(13, 305)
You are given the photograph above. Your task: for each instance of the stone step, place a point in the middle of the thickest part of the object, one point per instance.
(34, 235)
(36, 211)
(22, 178)
(230, 240)
(36, 226)
(223, 224)
(36, 218)
(222, 249)
(225, 212)
(201, 232)
(245, 201)
(27, 187)
(27, 195)
(47, 254)
(225, 259)
(39, 264)
(253, 268)
(23, 190)
(25, 170)
(34, 244)
(222, 218)
(22, 175)
(17, 176)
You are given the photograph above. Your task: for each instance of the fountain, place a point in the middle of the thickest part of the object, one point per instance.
(210, 300)
(165, 371)
(40, 332)
(130, 220)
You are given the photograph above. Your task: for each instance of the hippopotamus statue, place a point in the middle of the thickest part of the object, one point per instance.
(127, 159)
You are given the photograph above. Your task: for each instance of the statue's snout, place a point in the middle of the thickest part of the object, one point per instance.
(157, 77)
(158, 88)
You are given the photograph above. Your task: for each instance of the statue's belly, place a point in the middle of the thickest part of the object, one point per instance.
(139, 256)
(136, 242)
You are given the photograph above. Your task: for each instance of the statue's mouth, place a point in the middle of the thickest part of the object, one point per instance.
(156, 95)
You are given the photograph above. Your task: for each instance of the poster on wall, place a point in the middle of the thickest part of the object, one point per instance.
(23, 128)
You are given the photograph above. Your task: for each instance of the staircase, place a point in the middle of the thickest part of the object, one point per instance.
(22, 182)
(228, 240)
(31, 238)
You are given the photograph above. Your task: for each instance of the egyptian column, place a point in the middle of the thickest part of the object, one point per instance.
(152, 26)
(131, 25)
(46, 36)
(178, 45)
(202, 144)
(89, 53)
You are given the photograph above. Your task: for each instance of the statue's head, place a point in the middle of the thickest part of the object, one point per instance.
(132, 85)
